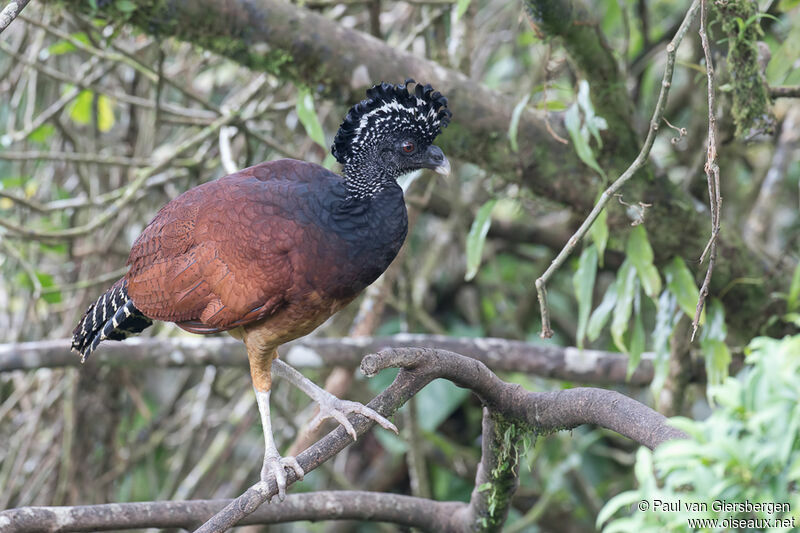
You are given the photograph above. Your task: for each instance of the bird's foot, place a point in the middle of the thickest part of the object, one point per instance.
(332, 407)
(276, 465)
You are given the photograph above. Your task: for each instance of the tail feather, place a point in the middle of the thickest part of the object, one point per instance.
(113, 316)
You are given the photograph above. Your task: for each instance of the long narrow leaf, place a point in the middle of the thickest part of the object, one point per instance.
(583, 283)
(477, 238)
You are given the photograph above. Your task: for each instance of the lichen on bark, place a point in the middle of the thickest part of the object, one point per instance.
(751, 109)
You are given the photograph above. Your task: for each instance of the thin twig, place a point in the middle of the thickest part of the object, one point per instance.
(712, 173)
(640, 160)
(72, 157)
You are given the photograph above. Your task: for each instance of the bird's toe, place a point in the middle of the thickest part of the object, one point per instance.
(277, 466)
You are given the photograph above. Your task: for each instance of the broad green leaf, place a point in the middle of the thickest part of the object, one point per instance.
(477, 238)
(637, 344)
(583, 283)
(600, 315)
(64, 47)
(793, 300)
(718, 358)
(667, 317)
(513, 127)
(81, 110)
(626, 290)
(12, 182)
(599, 232)
(47, 282)
(308, 117)
(126, 6)
(572, 121)
(105, 114)
(715, 327)
(592, 122)
(620, 501)
(461, 8)
(640, 253)
(680, 282)
(42, 134)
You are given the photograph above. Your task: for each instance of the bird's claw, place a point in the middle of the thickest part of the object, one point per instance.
(333, 407)
(276, 465)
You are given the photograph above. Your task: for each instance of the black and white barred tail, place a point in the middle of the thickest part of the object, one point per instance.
(113, 316)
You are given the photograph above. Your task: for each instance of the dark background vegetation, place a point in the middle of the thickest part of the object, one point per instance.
(111, 108)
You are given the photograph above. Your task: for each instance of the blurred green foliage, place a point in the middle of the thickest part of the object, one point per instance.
(747, 450)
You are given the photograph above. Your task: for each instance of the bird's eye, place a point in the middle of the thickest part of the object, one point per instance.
(408, 147)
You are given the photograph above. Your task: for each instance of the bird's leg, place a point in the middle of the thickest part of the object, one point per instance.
(329, 405)
(260, 372)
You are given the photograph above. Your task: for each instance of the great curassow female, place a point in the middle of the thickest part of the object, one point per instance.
(270, 252)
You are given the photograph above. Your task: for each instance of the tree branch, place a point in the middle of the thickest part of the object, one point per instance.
(329, 505)
(789, 91)
(539, 412)
(641, 159)
(497, 478)
(501, 355)
(306, 47)
(10, 12)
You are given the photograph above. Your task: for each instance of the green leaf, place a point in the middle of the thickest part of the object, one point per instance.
(105, 114)
(620, 501)
(626, 290)
(42, 134)
(600, 315)
(718, 358)
(637, 345)
(715, 327)
(793, 300)
(126, 6)
(680, 282)
(667, 316)
(513, 127)
(592, 122)
(640, 253)
(308, 117)
(572, 122)
(81, 110)
(64, 47)
(583, 283)
(461, 8)
(477, 237)
(599, 232)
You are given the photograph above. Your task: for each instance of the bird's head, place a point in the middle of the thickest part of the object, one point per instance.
(391, 133)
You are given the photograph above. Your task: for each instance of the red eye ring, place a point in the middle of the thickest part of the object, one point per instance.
(408, 147)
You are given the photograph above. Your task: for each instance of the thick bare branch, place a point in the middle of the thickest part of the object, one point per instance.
(542, 411)
(557, 362)
(330, 505)
(538, 412)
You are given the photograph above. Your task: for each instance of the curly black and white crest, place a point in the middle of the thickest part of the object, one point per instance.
(388, 109)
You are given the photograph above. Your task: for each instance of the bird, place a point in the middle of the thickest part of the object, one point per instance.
(270, 252)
